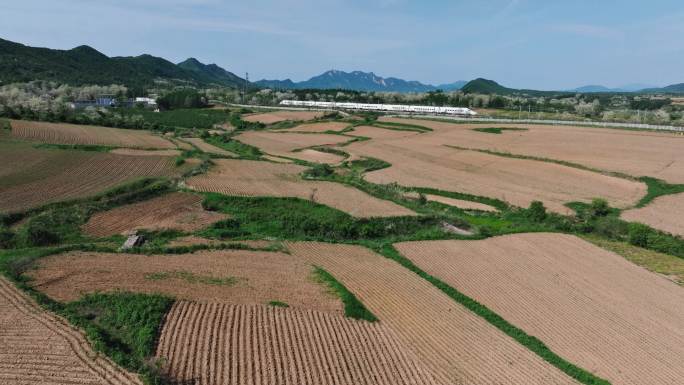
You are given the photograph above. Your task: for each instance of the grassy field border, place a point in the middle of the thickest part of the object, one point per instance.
(353, 308)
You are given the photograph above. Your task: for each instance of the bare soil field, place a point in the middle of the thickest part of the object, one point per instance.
(192, 240)
(255, 178)
(416, 163)
(320, 127)
(381, 133)
(63, 133)
(136, 152)
(207, 344)
(665, 213)
(456, 345)
(37, 347)
(287, 143)
(460, 203)
(589, 305)
(55, 175)
(637, 153)
(279, 116)
(209, 148)
(176, 211)
(223, 276)
(277, 159)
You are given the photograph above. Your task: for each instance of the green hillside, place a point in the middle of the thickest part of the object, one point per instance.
(85, 65)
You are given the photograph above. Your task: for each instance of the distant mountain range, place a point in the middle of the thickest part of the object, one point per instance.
(358, 81)
(85, 65)
(626, 88)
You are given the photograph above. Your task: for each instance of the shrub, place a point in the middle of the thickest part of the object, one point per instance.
(6, 238)
(319, 171)
(599, 208)
(536, 212)
(38, 234)
(638, 234)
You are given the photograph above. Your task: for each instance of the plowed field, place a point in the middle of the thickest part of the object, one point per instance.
(63, 133)
(254, 178)
(135, 152)
(460, 203)
(209, 148)
(207, 344)
(454, 343)
(177, 211)
(417, 163)
(589, 305)
(279, 116)
(37, 347)
(380, 133)
(226, 276)
(320, 127)
(32, 177)
(286, 144)
(665, 213)
(637, 153)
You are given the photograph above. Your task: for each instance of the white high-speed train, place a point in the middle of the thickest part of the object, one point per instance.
(383, 107)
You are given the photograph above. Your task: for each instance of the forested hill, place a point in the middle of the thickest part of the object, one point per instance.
(85, 65)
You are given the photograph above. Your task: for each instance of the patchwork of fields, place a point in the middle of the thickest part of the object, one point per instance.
(441, 274)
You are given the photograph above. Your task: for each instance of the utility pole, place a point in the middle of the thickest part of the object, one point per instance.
(244, 88)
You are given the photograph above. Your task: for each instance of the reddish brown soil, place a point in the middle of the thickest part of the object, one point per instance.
(37, 347)
(424, 161)
(208, 344)
(63, 133)
(254, 178)
(210, 148)
(637, 153)
(453, 342)
(259, 277)
(176, 211)
(320, 127)
(55, 175)
(279, 116)
(665, 213)
(590, 306)
(293, 145)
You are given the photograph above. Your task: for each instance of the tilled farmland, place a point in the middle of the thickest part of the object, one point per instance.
(665, 213)
(63, 133)
(320, 127)
(57, 175)
(37, 347)
(225, 276)
(517, 181)
(208, 344)
(280, 116)
(456, 345)
(254, 178)
(589, 305)
(637, 153)
(209, 148)
(177, 211)
(293, 145)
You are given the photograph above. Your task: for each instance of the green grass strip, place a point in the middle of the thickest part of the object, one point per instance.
(353, 308)
(657, 188)
(531, 342)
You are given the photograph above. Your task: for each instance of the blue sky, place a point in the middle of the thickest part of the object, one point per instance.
(550, 44)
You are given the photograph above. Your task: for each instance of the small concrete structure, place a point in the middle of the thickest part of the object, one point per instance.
(133, 240)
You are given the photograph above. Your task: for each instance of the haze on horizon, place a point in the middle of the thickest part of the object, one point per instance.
(519, 43)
